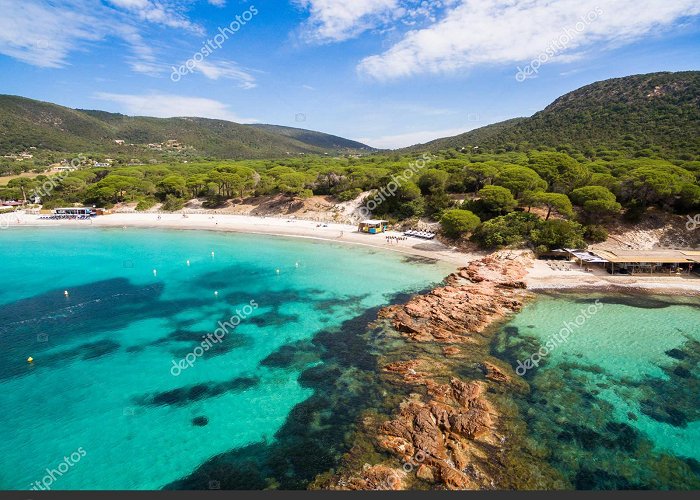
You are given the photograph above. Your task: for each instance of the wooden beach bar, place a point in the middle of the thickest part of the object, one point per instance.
(373, 226)
(656, 261)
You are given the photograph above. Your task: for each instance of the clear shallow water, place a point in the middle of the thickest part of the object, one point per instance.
(101, 379)
(618, 404)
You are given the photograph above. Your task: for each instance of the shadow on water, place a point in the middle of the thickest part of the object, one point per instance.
(318, 430)
(185, 395)
(39, 325)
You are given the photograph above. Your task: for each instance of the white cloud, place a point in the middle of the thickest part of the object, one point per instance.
(410, 138)
(168, 106)
(226, 69)
(167, 14)
(511, 31)
(337, 20)
(47, 47)
(44, 33)
(218, 3)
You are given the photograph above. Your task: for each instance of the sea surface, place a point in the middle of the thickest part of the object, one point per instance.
(109, 403)
(107, 316)
(614, 401)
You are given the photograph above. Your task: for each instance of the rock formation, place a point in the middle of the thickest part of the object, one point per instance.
(446, 434)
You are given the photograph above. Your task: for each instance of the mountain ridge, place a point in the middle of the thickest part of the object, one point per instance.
(26, 123)
(648, 111)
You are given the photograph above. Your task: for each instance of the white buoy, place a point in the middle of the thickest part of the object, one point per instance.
(65, 292)
(212, 254)
(296, 264)
(188, 263)
(216, 293)
(155, 273)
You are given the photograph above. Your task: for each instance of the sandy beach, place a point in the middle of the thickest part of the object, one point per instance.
(570, 277)
(540, 276)
(275, 226)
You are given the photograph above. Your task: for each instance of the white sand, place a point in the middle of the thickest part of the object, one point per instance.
(542, 277)
(298, 228)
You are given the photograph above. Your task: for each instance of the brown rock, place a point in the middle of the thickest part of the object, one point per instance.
(425, 473)
(494, 373)
(454, 479)
(459, 457)
(450, 351)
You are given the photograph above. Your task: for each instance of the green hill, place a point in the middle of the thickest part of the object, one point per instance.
(319, 139)
(26, 123)
(658, 112)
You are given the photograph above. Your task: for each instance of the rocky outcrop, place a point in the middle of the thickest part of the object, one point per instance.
(446, 432)
(474, 297)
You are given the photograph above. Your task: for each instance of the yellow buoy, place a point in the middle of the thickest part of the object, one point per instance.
(30, 359)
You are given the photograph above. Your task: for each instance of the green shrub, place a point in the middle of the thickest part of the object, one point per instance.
(456, 223)
(507, 230)
(350, 194)
(145, 204)
(557, 233)
(173, 204)
(595, 233)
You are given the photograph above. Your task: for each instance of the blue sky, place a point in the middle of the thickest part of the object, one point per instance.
(387, 72)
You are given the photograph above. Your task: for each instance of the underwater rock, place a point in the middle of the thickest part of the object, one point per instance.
(681, 372)
(492, 372)
(676, 354)
(452, 426)
(376, 477)
(451, 351)
(200, 421)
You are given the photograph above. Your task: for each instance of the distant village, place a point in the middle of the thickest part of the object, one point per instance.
(69, 165)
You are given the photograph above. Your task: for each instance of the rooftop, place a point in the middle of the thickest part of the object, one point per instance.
(657, 256)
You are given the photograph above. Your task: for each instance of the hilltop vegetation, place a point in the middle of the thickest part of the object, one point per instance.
(543, 192)
(543, 198)
(26, 123)
(649, 115)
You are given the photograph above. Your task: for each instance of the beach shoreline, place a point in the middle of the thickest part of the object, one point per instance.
(540, 277)
(264, 225)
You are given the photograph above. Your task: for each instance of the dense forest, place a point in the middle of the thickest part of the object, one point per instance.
(491, 196)
(642, 115)
(539, 192)
(49, 128)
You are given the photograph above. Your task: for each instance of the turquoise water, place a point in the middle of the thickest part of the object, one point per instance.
(617, 404)
(101, 386)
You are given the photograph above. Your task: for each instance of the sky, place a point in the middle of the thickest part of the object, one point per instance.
(389, 73)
